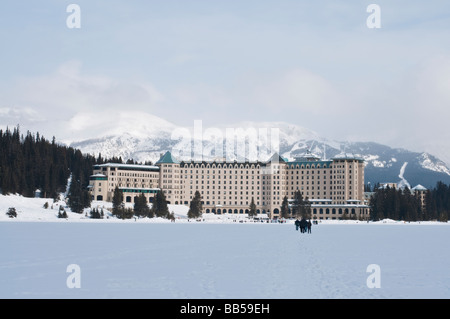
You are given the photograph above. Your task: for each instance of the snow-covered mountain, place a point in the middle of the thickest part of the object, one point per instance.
(387, 164)
(146, 137)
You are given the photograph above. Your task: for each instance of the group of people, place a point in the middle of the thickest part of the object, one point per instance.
(304, 225)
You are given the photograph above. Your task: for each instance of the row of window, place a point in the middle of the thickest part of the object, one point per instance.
(252, 166)
(156, 175)
(140, 174)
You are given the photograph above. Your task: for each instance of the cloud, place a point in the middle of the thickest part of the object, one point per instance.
(94, 124)
(428, 98)
(66, 92)
(299, 90)
(18, 114)
(260, 96)
(433, 83)
(72, 90)
(69, 89)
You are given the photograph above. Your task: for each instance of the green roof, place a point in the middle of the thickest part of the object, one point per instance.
(167, 159)
(277, 159)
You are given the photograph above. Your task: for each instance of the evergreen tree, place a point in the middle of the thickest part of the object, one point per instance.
(99, 159)
(119, 210)
(252, 210)
(159, 208)
(141, 208)
(78, 198)
(195, 207)
(305, 208)
(12, 213)
(297, 203)
(117, 201)
(95, 214)
(285, 208)
(401, 204)
(62, 212)
(345, 215)
(125, 213)
(443, 217)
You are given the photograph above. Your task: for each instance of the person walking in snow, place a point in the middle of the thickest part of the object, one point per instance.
(309, 226)
(297, 224)
(303, 225)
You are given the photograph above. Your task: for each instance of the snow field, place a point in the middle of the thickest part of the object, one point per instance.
(232, 260)
(31, 209)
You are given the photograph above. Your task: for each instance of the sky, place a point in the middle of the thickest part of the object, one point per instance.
(315, 64)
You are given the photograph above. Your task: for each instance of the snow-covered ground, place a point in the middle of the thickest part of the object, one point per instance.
(32, 209)
(144, 259)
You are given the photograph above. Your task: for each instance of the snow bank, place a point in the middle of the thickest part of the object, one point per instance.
(32, 209)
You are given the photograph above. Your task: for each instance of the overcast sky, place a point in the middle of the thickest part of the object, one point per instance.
(311, 63)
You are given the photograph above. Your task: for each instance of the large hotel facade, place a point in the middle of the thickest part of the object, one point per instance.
(335, 187)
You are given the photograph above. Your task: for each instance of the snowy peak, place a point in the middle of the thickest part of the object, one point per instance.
(431, 163)
(288, 133)
(92, 126)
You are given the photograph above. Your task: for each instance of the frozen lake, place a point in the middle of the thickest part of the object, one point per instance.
(200, 260)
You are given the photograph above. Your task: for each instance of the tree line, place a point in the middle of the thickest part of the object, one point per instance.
(299, 207)
(30, 162)
(402, 204)
(159, 206)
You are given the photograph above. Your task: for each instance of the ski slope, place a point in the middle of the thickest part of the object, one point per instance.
(222, 260)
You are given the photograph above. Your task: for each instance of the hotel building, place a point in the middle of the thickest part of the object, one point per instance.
(335, 187)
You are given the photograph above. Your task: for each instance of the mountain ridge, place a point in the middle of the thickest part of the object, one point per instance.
(383, 163)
